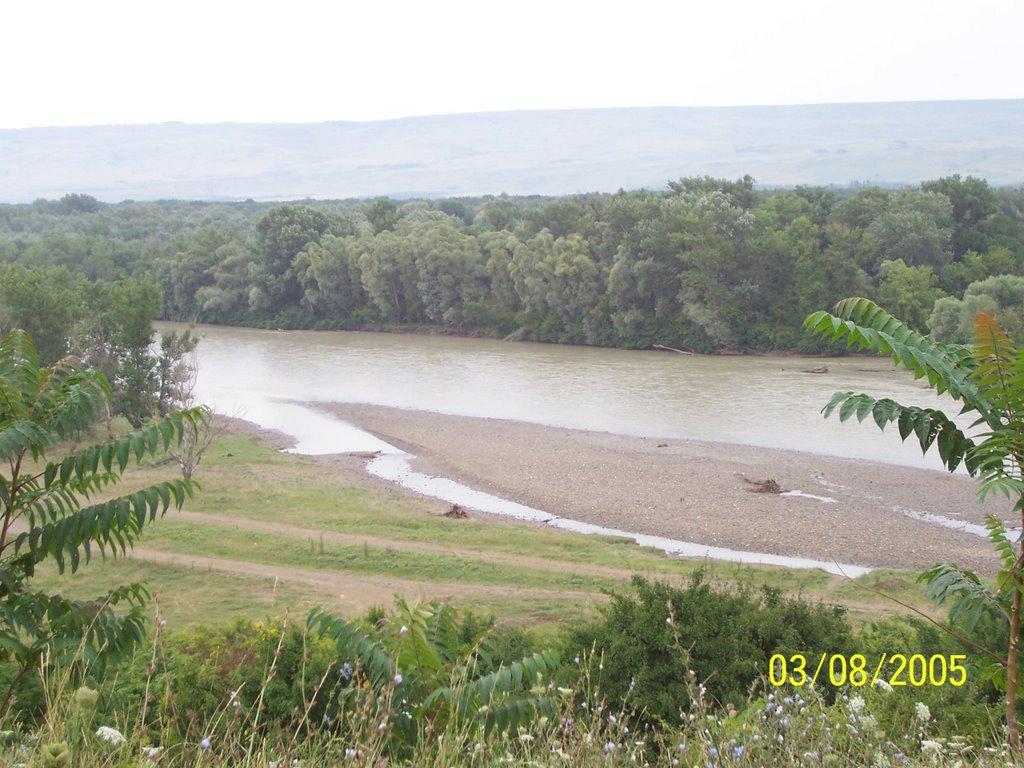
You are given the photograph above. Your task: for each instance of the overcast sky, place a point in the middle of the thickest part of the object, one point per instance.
(100, 62)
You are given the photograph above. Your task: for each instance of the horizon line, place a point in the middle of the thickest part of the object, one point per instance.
(480, 113)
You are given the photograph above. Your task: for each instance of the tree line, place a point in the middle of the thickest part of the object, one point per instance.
(706, 264)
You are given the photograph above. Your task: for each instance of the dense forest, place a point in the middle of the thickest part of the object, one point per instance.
(705, 265)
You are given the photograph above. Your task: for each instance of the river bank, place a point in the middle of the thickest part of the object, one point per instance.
(850, 511)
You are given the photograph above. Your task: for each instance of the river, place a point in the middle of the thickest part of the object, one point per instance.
(768, 401)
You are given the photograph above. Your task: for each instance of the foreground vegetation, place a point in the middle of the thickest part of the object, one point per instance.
(203, 655)
(665, 671)
(706, 265)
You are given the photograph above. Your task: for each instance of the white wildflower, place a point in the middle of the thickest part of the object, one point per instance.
(110, 735)
(932, 747)
(923, 713)
(856, 704)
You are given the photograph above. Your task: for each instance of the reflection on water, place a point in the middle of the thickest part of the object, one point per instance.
(767, 401)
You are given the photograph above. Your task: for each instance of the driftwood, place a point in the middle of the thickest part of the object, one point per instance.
(768, 485)
(671, 349)
(457, 512)
(819, 369)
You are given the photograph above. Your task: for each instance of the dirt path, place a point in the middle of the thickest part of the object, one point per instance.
(358, 539)
(355, 591)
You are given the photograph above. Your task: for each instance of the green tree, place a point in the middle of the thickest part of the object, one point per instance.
(450, 270)
(230, 279)
(389, 277)
(916, 227)
(330, 276)
(499, 214)
(44, 302)
(559, 275)
(973, 201)
(76, 202)
(47, 513)
(908, 291)
(987, 381)
(1001, 296)
(281, 234)
(114, 338)
(383, 215)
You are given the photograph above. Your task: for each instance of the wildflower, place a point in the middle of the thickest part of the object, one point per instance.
(351, 754)
(611, 719)
(883, 684)
(110, 735)
(856, 705)
(681, 746)
(404, 630)
(383, 726)
(922, 712)
(713, 753)
(525, 738)
(737, 752)
(610, 746)
(86, 698)
(812, 756)
(56, 755)
(927, 745)
(397, 679)
(576, 661)
(784, 722)
(152, 752)
(205, 745)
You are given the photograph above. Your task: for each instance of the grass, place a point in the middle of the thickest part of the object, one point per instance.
(388, 542)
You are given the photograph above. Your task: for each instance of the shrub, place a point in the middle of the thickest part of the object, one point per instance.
(646, 642)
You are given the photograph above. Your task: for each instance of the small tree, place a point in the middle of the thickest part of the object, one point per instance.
(987, 380)
(178, 369)
(449, 681)
(47, 510)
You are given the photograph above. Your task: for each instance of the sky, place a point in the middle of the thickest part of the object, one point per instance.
(107, 61)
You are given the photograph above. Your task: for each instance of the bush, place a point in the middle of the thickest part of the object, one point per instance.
(645, 643)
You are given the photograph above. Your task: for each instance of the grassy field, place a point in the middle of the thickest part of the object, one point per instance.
(271, 532)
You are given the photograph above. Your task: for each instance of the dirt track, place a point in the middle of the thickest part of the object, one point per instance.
(356, 592)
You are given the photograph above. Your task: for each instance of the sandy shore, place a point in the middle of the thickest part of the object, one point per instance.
(694, 490)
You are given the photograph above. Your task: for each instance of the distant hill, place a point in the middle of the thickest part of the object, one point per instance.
(542, 152)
